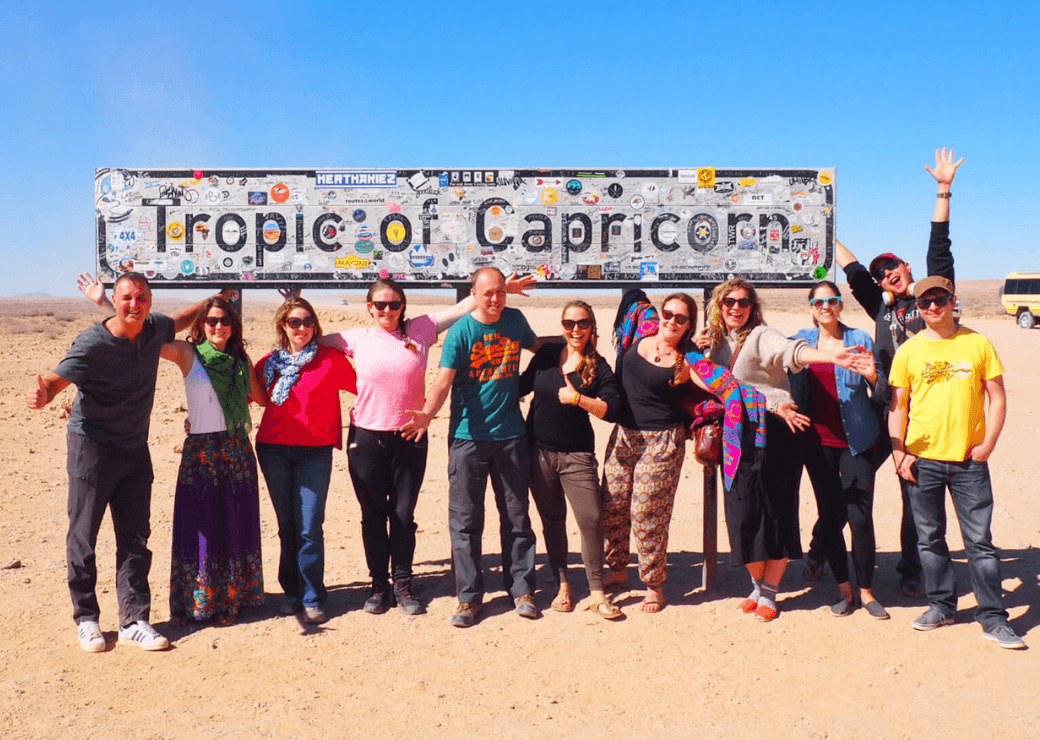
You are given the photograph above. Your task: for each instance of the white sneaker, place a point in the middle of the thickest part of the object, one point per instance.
(143, 635)
(90, 637)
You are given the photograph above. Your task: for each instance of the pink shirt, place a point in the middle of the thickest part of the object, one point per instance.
(391, 377)
(310, 416)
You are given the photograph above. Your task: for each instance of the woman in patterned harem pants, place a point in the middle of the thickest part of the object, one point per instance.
(646, 450)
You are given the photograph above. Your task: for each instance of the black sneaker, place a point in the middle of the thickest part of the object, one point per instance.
(406, 599)
(380, 600)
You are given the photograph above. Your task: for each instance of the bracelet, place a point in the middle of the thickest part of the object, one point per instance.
(946, 195)
(576, 397)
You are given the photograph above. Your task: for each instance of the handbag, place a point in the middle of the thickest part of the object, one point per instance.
(707, 434)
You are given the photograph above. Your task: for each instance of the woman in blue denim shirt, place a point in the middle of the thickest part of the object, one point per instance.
(840, 447)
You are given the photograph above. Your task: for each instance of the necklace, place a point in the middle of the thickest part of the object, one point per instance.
(657, 356)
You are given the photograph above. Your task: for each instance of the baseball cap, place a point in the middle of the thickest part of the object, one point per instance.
(933, 282)
(881, 259)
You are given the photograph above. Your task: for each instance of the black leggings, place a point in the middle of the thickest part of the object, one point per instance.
(387, 471)
(844, 488)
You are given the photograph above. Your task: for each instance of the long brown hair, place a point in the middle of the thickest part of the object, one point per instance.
(291, 304)
(717, 325)
(589, 356)
(812, 294)
(686, 342)
(236, 345)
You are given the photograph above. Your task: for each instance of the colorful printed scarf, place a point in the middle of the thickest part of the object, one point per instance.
(288, 369)
(741, 401)
(229, 376)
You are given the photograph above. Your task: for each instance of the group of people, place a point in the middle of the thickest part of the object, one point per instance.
(830, 398)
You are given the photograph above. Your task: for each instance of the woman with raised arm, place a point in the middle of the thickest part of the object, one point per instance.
(841, 448)
(570, 381)
(387, 464)
(300, 381)
(762, 503)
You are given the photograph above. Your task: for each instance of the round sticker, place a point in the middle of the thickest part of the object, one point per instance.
(495, 233)
(819, 273)
(175, 231)
(537, 240)
(232, 232)
(396, 232)
(573, 187)
(826, 177)
(615, 190)
(328, 231)
(550, 196)
(590, 198)
(198, 174)
(637, 202)
(495, 210)
(272, 231)
(280, 193)
(228, 263)
(747, 231)
(666, 232)
(359, 215)
(188, 267)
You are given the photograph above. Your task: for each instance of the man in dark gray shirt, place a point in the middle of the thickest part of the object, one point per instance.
(113, 365)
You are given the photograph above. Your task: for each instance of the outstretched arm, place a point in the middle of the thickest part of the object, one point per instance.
(944, 171)
(843, 255)
(94, 290)
(420, 421)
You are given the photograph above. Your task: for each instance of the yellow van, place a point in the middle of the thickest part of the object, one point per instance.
(1021, 297)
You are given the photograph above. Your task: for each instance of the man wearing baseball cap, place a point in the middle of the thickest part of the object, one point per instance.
(884, 291)
(942, 436)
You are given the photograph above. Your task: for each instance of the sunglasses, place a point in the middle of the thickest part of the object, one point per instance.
(679, 318)
(383, 305)
(583, 324)
(834, 301)
(940, 302)
(731, 302)
(214, 321)
(295, 322)
(880, 270)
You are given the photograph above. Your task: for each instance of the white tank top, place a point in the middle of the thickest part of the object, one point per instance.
(204, 412)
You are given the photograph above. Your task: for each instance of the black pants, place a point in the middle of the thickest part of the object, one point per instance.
(103, 477)
(387, 471)
(844, 488)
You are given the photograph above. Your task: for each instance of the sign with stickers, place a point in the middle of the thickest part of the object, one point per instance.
(698, 225)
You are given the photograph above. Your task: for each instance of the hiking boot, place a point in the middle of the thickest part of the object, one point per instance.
(465, 614)
(380, 601)
(526, 607)
(406, 599)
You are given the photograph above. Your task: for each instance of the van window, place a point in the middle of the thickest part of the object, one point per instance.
(1011, 287)
(1032, 286)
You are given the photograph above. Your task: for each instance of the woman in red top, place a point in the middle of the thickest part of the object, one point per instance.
(301, 425)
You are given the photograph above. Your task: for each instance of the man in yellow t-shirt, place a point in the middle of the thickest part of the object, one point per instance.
(942, 436)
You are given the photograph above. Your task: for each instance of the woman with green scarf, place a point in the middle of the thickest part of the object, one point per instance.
(216, 567)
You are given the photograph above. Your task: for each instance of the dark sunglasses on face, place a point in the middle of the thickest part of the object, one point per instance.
(834, 301)
(295, 322)
(731, 302)
(583, 324)
(889, 264)
(940, 301)
(213, 321)
(382, 305)
(679, 318)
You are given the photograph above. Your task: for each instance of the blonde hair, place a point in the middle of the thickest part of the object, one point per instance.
(717, 331)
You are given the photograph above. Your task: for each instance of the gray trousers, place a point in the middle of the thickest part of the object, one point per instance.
(559, 477)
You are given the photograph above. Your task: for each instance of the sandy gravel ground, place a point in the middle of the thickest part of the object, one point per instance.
(699, 668)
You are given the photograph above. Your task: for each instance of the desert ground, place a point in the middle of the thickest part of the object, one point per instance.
(698, 669)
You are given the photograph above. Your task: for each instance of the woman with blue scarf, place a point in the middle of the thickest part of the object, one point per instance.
(302, 423)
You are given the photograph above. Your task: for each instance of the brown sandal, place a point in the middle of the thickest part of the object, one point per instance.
(564, 602)
(603, 608)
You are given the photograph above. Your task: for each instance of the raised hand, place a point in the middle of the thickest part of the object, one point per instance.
(702, 340)
(945, 168)
(517, 285)
(92, 288)
(36, 398)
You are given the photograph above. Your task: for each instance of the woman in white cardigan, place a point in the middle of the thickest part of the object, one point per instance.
(762, 504)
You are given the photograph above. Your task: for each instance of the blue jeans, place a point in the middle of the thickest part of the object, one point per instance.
(972, 496)
(508, 465)
(298, 481)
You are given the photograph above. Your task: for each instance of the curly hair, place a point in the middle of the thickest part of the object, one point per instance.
(686, 342)
(236, 344)
(290, 305)
(716, 323)
(589, 354)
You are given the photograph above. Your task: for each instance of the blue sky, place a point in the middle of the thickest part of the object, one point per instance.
(871, 90)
